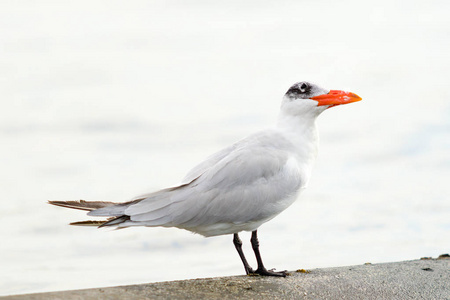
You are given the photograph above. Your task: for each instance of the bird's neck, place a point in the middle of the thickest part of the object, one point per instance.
(302, 132)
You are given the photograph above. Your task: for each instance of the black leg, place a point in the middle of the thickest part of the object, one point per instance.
(261, 269)
(238, 244)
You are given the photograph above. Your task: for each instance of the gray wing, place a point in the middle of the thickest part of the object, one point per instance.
(245, 182)
(208, 163)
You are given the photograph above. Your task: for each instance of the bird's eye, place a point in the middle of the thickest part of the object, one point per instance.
(299, 90)
(303, 87)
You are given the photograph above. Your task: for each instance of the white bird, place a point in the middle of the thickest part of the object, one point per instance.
(240, 187)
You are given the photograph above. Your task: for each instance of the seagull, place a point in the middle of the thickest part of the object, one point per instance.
(238, 188)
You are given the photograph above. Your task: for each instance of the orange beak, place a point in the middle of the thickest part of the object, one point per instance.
(335, 97)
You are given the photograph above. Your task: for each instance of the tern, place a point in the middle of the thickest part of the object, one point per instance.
(240, 187)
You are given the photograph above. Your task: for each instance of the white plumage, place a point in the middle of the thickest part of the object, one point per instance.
(240, 187)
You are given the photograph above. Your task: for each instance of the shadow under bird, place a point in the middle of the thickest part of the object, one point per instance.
(240, 187)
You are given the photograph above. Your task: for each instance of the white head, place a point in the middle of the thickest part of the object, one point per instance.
(307, 99)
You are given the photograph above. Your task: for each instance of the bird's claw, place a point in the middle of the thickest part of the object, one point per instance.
(250, 271)
(271, 272)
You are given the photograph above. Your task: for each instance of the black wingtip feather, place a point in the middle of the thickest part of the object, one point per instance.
(115, 221)
(82, 204)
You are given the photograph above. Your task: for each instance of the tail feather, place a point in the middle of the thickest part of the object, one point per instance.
(116, 210)
(115, 221)
(101, 223)
(109, 209)
(97, 223)
(82, 204)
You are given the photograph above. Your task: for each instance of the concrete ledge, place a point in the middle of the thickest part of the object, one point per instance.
(418, 279)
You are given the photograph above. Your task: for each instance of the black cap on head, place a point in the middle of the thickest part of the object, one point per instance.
(304, 90)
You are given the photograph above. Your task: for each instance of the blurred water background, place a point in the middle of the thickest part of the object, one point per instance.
(105, 100)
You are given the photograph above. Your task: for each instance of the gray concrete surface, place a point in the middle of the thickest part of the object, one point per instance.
(418, 279)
